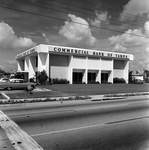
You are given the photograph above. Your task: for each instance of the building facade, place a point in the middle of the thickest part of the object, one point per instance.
(74, 64)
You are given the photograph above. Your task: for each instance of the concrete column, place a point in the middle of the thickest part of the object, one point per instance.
(20, 65)
(85, 76)
(26, 64)
(126, 71)
(98, 77)
(70, 69)
(40, 66)
(99, 72)
(47, 64)
(32, 62)
(110, 79)
(42, 61)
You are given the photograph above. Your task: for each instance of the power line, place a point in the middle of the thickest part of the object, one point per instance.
(64, 12)
(113, 20)
(110, 8)
(55, 18)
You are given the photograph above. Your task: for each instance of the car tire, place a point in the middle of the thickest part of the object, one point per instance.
(33, 87)
(9, 88)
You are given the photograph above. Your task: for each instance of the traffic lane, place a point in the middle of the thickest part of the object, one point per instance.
(33, 108)
(5, 143)
(127, 135)
(47, 122)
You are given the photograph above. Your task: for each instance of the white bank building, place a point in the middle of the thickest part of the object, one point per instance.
(77, 65)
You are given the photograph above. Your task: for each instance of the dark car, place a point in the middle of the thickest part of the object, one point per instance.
(17, 84)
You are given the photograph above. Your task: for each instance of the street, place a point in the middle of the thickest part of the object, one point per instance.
(90, 125)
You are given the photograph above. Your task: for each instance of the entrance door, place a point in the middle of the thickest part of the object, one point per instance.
(91, 77)
(104, 77)
(77, 77)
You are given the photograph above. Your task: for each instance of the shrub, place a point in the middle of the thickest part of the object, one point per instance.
(93, 82)
(19, 75)
(119, 80)
(32, 79)
(42, 77)
(58, 81)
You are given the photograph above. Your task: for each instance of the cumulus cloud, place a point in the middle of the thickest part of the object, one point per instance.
(134, 7)
(8, 39)
(146, 27)
(135, 42)
(119, 48)
(77, 31)
(101, 17)
(130, 38)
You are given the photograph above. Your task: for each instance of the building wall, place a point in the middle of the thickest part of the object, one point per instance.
(59, 66)
(118, 68)
(93, 63)
(79, 62)
(106, 64)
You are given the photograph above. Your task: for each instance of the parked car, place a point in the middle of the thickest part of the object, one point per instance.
(16, 80)
(17, 84)
(4, 79)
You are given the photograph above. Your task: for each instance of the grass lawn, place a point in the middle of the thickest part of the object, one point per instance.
(59, 90)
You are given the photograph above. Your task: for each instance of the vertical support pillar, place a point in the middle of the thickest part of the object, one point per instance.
(99, 72)
(20, 65)
(98, 77)
(47, 64)
(110, 79)
(39, 63)
(32, 61)
(70, 70)
(85, 76)
(26, 65)
(126, 71)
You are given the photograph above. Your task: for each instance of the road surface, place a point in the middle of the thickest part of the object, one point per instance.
(83, 125)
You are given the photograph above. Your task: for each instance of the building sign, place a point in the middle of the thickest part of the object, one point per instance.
(89, 52)
(26, 53)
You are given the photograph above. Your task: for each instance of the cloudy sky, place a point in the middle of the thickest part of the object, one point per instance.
(108, 25)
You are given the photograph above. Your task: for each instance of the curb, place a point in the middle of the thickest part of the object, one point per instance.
(73, 98)
(47, 99)
(126, 94)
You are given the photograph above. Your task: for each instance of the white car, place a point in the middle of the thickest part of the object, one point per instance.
(4, 80)
(16, 80)
(17, 84)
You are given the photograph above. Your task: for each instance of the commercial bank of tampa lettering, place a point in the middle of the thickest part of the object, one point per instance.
(67, 50)
(85, 52)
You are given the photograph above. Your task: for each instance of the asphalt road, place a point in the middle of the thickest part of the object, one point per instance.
(84, 125)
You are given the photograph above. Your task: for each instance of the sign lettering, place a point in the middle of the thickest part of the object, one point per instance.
(87, 52)
(26, 53)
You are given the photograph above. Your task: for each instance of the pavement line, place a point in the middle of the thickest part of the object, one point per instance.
(19, 139)
(66, 130)
(86, 127)
(5, 96)
(101, 107)
(126, 120)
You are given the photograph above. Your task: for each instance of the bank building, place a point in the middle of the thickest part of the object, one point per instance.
(77, 65)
